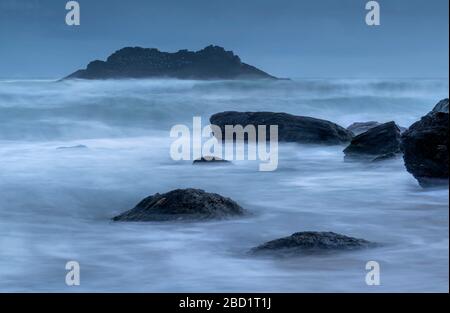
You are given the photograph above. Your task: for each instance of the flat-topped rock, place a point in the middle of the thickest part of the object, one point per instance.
(377, 143)
(182, 204)
(212, 62)
(291, 128)
(310, 241)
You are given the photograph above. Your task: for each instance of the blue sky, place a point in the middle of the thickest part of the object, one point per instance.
(287, 38)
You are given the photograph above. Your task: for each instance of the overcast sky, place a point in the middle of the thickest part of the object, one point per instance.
(287, 38)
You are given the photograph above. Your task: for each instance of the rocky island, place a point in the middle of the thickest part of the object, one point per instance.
(212, 62)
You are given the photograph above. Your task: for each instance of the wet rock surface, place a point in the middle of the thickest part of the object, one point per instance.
(442, 106)
(378, 142)
(425, 147)
(361, 127)
(311, 241)
(182, 204)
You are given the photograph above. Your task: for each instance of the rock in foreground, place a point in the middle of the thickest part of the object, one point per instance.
(291, 128)
(380, 141)
(425, 148)
(212, 62)
(182, 204)
(310, 241)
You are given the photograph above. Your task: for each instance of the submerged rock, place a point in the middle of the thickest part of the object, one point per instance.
(425, 148)
(212, 62)
(182, 204)
(380, 141)
(291, 128)
(311, 241)
(210, 160)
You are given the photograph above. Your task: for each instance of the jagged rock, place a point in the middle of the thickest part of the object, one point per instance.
(310, 241)
(384, 157)
(182, 204)
(358, 128)
(210, 160)
(425, 148)
(442, 106)
(361, 127)
(381, 140)
(212, 62)
(291, 128)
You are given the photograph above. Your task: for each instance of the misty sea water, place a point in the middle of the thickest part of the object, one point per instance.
(56, 205)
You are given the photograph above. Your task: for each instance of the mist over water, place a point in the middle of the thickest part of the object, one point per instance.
(56, 204)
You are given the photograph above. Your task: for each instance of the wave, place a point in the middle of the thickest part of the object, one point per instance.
(49, 110)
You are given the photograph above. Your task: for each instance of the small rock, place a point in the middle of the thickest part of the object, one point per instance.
(381, 140)
(310, 241)
(210, 160)
(182, 204)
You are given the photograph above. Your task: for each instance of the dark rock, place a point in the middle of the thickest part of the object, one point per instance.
(73, 147)
(425, 148)
(212, 62)
(380, 140)
(291, 128)
(310, 241)
(361, 127)
(210, 160)
(442, 106)
(358, 128)
(384, 157)
(182, 204)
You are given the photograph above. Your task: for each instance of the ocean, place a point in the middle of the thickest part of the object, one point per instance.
(56, 204)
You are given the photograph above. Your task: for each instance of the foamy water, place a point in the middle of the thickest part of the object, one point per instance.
(56, 205)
